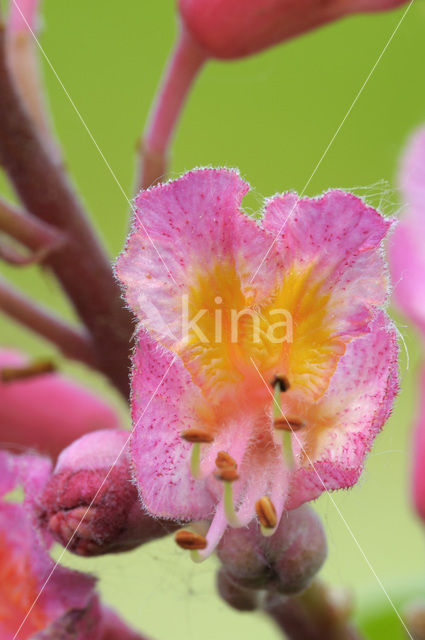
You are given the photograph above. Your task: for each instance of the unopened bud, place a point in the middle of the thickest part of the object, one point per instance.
(90, 504)
(237, 597)
(285, 562)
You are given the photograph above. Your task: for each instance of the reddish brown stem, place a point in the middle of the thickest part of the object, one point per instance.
(312, 615)
(81, 266)
(73, 343)
(27, 230)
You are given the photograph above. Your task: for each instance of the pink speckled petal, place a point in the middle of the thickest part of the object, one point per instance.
(350, 415)
(165, 402)
(194, 224)
(341, 236)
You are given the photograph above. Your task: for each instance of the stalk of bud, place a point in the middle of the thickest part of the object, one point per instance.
(90, 504)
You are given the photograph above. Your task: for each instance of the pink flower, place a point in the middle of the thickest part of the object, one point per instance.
(63, 606)
(46, 411)
(407, 248)
(265, 367)
(407, 260)
(234, 28)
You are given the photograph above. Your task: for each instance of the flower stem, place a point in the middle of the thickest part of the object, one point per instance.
(73, 343)
(81, 266)
(314, 614)
(186, 61)
(26, 229)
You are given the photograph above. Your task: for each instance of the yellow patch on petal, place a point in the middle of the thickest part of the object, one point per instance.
(18, 591)
(310, 358)
(293, 335)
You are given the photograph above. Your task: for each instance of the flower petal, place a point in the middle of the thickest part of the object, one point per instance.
(333, 278)
(165, 402)
(201, 246)
(341, 430)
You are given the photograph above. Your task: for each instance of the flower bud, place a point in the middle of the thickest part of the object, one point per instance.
(236, 28)
(90, 504)
(286, 562)
(44, 410)
(236, 596)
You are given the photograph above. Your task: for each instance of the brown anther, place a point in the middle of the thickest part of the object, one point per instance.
(189, 540)
(266, 512)
(196, 435)
(227, 474)
(9, 374)
(282, 381)
(288, 423)
(223, 460)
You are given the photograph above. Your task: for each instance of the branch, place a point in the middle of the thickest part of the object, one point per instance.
(314, 614)
(26, 229)
(71, 342)
(186, 61)
(81, 266)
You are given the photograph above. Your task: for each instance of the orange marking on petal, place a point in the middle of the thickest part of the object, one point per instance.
(18, 591)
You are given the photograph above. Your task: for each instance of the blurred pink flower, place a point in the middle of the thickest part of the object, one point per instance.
(283, 411)
(235, 28)
(407, 261)
(37, 599)
(407, 247)
(47, 411)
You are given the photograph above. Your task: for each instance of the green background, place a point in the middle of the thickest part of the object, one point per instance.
(272, 116)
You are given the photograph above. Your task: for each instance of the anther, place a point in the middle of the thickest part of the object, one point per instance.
(266, 512)
(281, 382)
(8, 374)
(197, 435)
(223, 460)
(227, 474)
(288, 423)
(189, 540)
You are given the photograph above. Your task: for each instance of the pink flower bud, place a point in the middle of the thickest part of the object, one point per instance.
(45, 411)
(235, 28)
(90, 504)
(237, 597)
(285, 562)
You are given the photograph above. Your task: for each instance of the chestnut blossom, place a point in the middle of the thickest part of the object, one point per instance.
(39, 600)
(407, 260)
(235, 28)
(45, 410)
(265, 363)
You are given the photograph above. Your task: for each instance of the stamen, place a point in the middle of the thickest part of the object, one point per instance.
(197, 436)
(223, 459)
(229, 507)
(195, 460)
(266, 512)
(288, 423)
(227, 474)
(281, 382)
(189, 540)
(8, 374)
(280, 385)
